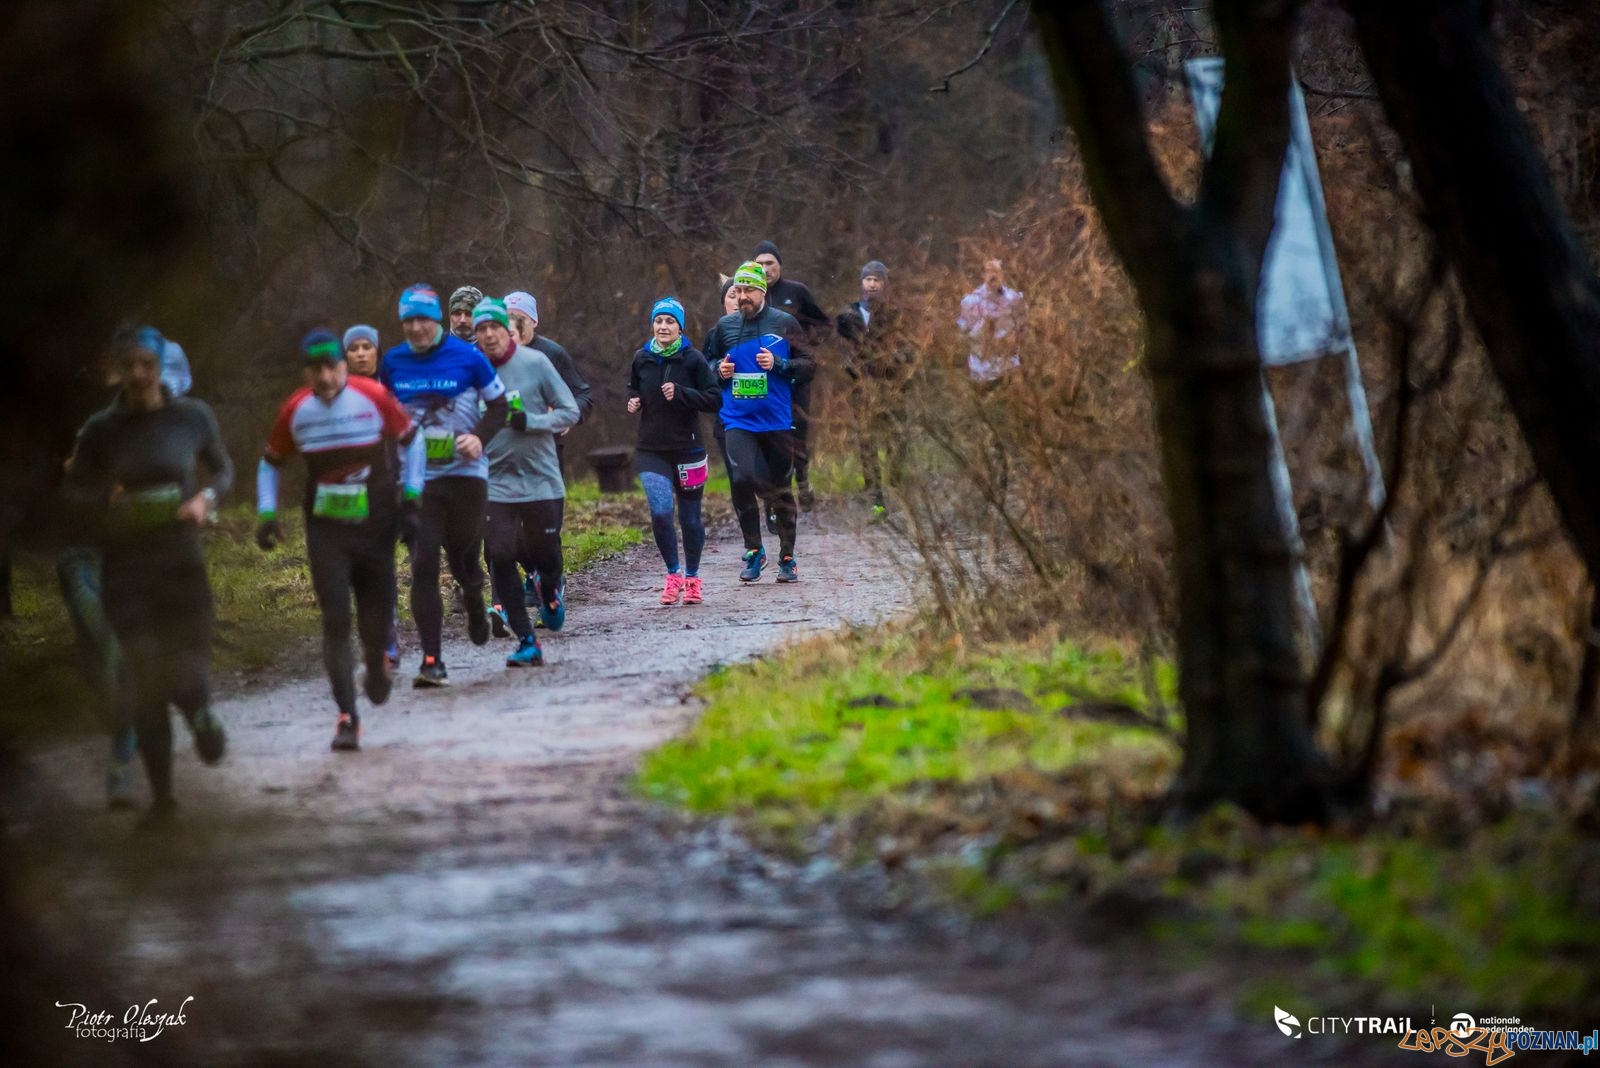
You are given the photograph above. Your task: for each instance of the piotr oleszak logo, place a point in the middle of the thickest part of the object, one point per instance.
(140, 1022)
(1287, 1023)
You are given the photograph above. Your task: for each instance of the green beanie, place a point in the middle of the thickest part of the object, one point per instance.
(751, 275)
(490, 310)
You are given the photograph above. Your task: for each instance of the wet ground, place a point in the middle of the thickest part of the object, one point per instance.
(478, 886)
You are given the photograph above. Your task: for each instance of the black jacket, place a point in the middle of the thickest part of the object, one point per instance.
(793, 297)
(568, 370)
(672, 426)
(876, 345)
(732, 329)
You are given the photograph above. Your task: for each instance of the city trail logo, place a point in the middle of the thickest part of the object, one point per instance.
(1287, 1023)
(1291, 1026)
(139, 1022)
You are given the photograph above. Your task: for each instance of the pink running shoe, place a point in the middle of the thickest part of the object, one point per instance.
(691, 590)
(673, 589)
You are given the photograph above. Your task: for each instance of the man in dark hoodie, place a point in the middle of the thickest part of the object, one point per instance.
(788, 295)
(876, 360)
(759, 357)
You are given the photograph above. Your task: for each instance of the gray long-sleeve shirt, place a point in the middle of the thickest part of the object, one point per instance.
(523, 464)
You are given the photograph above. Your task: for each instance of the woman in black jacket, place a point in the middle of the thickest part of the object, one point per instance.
(669, 385)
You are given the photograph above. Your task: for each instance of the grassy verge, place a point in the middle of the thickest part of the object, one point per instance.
(1027, 776)
(267, 618)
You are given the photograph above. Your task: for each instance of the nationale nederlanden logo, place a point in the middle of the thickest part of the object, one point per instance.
(141, 1023)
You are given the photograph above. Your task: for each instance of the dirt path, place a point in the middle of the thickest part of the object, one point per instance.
(478, 887)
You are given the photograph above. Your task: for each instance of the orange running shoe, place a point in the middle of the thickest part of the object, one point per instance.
(691, 590)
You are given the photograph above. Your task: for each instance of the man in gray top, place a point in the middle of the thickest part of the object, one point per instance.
(526, 494)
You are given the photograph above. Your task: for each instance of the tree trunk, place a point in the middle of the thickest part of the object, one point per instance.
(1530, 286)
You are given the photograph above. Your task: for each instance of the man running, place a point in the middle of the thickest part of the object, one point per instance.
(991, 316)
(526, 494)
(343, 425)
(442, 380)
(788, 295)
(135, 474)
(759, 357)
(874, 333)
(462, 301)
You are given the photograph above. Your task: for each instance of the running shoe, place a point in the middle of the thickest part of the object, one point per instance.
(378, 681)
(528, 654)
(530, 590)
(431, 673)
(346, 734)
(879, 509)
(754, 561)
(210, 740)
(772, 521)
(786, 572)
(808, 499)
(119, 785)
(498, 622)
(553, 612)
(477, 619)
(673, 589)
(393, 655)
(691, 590)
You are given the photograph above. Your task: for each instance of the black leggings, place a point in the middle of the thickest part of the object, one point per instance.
(351, 558)
(161, 615)
(801, 394)
(451, 519)
(526, 533)
(760, 464)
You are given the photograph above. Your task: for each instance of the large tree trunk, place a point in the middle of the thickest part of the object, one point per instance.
(1530, 286)
(1241, 675)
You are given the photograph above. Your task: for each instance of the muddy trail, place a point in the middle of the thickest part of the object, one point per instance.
(479, 886)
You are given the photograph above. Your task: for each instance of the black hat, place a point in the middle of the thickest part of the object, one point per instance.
(767, 246)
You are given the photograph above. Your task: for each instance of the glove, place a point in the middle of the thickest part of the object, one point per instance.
(518, 420)
(410, 519)
(268, 535)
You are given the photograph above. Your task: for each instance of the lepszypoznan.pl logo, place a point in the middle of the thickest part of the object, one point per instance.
(139, 1022)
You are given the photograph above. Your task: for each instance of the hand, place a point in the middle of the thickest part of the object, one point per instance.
(410, 519)
(194, 510)
(268, 535)
(765, 359)
(634, 404)
(725, 368)
(518, 421)
(669, 390)
(469, 446)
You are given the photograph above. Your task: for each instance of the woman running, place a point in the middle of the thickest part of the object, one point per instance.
(136, 473)
(669, 386)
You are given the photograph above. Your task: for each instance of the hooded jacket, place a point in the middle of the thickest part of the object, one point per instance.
(753, 399)
(672, 426)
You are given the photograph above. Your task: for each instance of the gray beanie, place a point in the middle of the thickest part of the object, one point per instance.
(875, 268)
(361, 332)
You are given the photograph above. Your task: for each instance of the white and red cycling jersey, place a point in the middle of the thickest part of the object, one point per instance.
(345, 441)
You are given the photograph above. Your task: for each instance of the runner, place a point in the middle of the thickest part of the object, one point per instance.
(872, 329)
(462, 301)
(362, 352)
(788, 295)
(344, 425)
(991, 316)
(524, 312)
(671, 384)
(526, 494)
(441, 380)
(760, 358)
(135, 474)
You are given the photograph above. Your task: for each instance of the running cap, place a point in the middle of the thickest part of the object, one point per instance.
(361, 332)
(140, 337)
(751, 275)
(524, 303)
(489, 310)
(320, 345)
(875, 269)
(668, 306)
(767, 247)
(466, 297)
(420, 302)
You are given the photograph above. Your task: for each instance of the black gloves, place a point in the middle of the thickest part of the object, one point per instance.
(268, 535)
(518, 421)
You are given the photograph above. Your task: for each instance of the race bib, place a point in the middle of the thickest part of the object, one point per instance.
(692, 476)
(152, 506)
(345, 503)
(751, 385)
(440, 444)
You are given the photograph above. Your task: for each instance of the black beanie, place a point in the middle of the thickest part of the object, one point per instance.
(767, 246)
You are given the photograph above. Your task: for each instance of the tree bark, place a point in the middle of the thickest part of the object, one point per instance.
(1530, 287)
(1241, 676)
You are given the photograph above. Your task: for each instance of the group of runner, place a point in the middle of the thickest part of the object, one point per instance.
(450, 443)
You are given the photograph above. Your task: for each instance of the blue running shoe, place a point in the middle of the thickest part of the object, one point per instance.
(754, 561)
(528, 654)
(786, 572)
(553, 610)
(498, 621)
